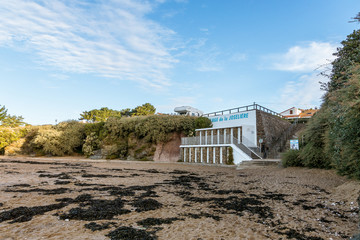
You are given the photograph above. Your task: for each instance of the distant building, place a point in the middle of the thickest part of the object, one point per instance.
(188, 111)
(293, 113)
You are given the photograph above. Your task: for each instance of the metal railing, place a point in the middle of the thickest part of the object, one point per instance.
(243, 109)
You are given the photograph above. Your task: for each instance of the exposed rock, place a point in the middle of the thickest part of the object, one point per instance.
(169, 151)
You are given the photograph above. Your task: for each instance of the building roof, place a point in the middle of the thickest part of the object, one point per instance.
(304, 113)
(308, 113)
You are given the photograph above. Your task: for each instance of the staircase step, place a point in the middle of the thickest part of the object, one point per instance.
(259, 163)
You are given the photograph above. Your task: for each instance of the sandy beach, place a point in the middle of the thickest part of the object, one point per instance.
(78, 199)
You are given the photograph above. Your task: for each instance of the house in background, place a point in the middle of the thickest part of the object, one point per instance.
(294, 113)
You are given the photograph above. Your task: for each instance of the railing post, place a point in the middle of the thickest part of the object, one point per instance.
(231, 135)
(200, 136)
(212, 137)
(218, 136)
(224, 135)
(206, 137)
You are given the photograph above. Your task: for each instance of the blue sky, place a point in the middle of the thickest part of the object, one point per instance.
(60, 58)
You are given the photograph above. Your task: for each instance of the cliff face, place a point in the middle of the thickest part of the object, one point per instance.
(169, 151)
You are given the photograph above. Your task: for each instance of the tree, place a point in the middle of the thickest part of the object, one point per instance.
(144, 110)
(99, 115)
(3, 113)
(13, 121)
(7, 120)
(332, 137)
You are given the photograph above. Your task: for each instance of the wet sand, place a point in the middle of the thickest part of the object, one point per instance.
(76, 199)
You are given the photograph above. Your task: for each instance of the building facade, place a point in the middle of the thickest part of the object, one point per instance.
(238, 133)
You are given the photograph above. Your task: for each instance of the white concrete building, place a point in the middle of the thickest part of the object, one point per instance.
(234, 128)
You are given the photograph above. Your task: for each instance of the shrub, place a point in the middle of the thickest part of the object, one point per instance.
(202, 122)
(313, 151)
(63, 139)
(291, 158)
(230, 160)
(15, 148)
(114, 151)
(91, 144)
(153, 129)
(48, 142)
(9, 135)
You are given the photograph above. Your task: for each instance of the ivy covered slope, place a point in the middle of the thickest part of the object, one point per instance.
(332, 136)
(118, 137)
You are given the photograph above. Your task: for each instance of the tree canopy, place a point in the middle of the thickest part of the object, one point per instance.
(102, 114)
(7, 120)
(144, 110)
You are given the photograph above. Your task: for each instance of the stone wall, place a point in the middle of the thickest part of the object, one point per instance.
(270, 127)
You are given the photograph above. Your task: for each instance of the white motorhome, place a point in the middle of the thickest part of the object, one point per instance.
(188, 111)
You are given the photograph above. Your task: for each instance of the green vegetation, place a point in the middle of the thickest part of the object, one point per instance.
(291, 158)
(103, 114)
(11, 128)
(203, 122)
(332, 136)
(118, 137)
(230, 160)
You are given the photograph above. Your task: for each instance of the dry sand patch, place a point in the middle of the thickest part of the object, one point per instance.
(73, 199)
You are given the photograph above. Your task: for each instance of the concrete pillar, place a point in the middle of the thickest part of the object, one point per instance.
(225, 136)
(206, 137)
(218, 136)
(195, 155)
(214, 155)
(185, 150)
(201, 155)
(212, 136)
(221, 157)
(207, 154)
(200, 136)
(231, 135)
(239, 136)
(190, 157)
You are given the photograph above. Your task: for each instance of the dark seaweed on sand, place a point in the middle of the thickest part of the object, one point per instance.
(96, 210)
(200, 215)
(126, 233)
(93, 226)
(157, 221)
(58, 182)
(40, 190)
(59, 176)
(24, 214)
(293, 234)
(146, 205)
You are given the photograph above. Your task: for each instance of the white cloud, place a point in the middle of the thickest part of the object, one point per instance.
(109, 38)
(304, 92)
(303, 58)
(238, 57)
